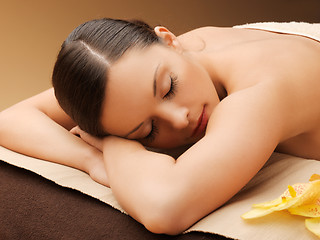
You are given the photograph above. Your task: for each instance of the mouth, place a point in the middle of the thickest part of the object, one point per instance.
(202, 123)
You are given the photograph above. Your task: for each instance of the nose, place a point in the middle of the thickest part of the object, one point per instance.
(176, 116)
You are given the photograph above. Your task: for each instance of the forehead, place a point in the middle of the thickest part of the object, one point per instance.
(129, 90)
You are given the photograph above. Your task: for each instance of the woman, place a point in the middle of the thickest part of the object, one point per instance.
(232, 95)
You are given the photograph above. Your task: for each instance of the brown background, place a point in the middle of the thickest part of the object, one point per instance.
(32, 30)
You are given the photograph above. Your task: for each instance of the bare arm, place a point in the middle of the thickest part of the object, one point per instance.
(38, 127)
(168, 196)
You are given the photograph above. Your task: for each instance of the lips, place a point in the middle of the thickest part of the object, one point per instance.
(202, 123)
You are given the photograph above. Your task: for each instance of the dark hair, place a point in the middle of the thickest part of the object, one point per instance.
(80, 72)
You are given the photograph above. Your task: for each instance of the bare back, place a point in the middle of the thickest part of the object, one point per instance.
(243, 58)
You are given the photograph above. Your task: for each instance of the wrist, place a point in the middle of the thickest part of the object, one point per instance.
(95, 167)
(92, 156)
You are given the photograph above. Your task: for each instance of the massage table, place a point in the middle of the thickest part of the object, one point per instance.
(33, 207)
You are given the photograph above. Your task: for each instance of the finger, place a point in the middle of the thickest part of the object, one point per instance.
(76, 131)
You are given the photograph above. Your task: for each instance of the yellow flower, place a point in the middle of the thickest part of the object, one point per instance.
(299, 199)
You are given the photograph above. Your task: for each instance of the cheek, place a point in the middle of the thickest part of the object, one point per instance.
(194, 93)
(196, 80)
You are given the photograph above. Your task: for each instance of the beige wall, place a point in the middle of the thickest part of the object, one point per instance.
(31, 31)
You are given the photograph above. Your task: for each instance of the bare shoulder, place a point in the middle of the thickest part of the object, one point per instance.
(210, 30)
(243, 131)
(259, 110)
(217, 38)
(249, 123)
(205, 34)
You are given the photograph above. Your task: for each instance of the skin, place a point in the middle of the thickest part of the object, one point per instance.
(258, 90)
(175, 115)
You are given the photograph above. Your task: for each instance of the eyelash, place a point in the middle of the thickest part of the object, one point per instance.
(153, 133)
(154, 129)
(173, 86)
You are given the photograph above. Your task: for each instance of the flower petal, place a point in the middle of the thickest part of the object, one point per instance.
(313, 225)
(311, 210)
(314, 177)
(296, 195)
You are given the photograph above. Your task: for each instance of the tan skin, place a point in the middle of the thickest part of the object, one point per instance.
(258, 91)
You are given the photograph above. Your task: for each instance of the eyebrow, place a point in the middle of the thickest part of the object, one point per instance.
(155, 81)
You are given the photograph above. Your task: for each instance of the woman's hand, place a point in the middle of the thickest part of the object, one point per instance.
(120, 153)
(96, 167)
(97, 170)
(91, 140)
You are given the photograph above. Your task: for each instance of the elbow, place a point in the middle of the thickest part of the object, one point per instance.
(163, 223)
(166, 215)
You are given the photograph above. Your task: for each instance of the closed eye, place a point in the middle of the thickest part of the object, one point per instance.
(173, 86)
(154, 129)
(153, 133)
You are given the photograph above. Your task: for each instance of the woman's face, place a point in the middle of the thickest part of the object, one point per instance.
(159, 96)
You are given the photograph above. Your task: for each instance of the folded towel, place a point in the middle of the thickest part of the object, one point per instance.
(310, 30)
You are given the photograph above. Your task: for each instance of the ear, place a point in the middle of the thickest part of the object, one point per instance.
(168, 37)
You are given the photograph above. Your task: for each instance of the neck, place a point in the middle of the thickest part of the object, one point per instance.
(221, 90)
(209, 67)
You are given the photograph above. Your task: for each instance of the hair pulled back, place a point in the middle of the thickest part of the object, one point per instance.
(80, 72)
